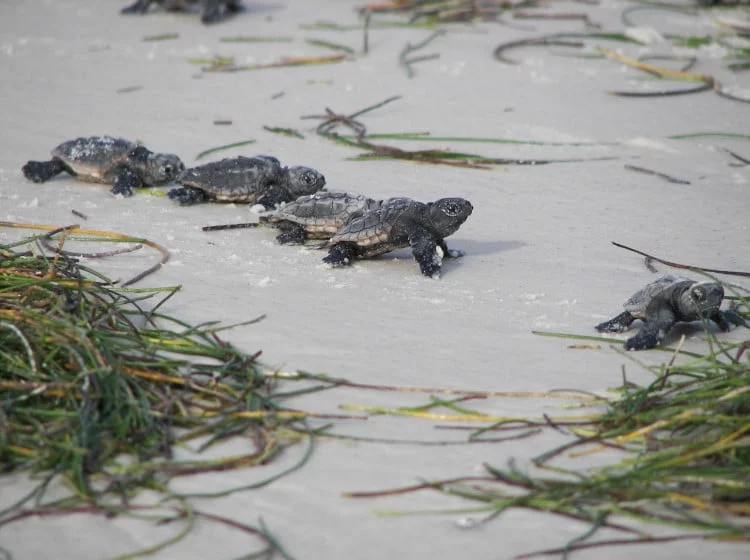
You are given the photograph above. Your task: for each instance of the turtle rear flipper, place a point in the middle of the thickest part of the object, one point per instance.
(188, 195)
(41, 171)
(617, 324)
(127, 181)
(140, 7)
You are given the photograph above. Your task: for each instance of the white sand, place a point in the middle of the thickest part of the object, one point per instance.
(538, 252)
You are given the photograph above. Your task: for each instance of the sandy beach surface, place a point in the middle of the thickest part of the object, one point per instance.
(538, 252)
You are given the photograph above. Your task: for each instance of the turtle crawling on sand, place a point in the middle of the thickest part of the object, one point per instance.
(211, 10)
(317, 216)
(255, 180)
(103, 159)
(666, 301)
(398, 223)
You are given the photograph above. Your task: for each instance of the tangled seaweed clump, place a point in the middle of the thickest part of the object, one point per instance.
(100, 389)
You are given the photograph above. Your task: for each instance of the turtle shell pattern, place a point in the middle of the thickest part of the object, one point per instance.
(239, 179)
(323, 214)
(374, 231)
(94, 158)
(638, 302)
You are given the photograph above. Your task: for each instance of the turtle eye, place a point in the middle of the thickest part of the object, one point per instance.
(451, 209)
(168, 169)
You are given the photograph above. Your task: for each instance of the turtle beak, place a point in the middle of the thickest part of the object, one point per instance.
(707, 294)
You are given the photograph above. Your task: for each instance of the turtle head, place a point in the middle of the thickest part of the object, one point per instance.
(703, 296)
(304, 180)
(447, 214)
(155, 169)
(163, 168)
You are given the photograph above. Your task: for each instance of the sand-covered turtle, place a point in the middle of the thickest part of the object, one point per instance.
(666, 301)
(255, 180)
(211, 10)
(398, 223)
(317, 216)
(104, 159)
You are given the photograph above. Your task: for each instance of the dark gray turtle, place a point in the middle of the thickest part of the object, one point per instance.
(103, 159)
(255, 180)
(317, 216)
(398, 223)
(211, 10)
(666, 301)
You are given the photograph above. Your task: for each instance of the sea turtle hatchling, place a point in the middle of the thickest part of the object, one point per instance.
(398, 223)
(255, 180)
(317, 216)
(211, 10)
(666, 301)
(104, 159)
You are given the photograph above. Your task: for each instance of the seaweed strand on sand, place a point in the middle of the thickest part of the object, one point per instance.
(361, 139)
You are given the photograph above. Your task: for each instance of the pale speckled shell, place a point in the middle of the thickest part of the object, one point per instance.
(323, 212)
(91, 158)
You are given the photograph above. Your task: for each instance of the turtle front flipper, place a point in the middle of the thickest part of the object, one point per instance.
(657, 324)
(725, 319)
(188, 195)
(424, 249)
(41, 171)
(273, 195)
(341, 254)
(620, 323)
(211, 11)
(450, 253)
(140, 7)
(126, 182)
(294, 234)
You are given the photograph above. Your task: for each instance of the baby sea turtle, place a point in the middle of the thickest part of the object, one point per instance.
(317, 216)
(211, 10)
(256, 180)
(103, 159)
(666, 301)
(398, 223)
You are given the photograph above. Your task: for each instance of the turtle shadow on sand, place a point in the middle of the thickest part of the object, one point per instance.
(474, 247)
(690, 330)
(401, 257)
